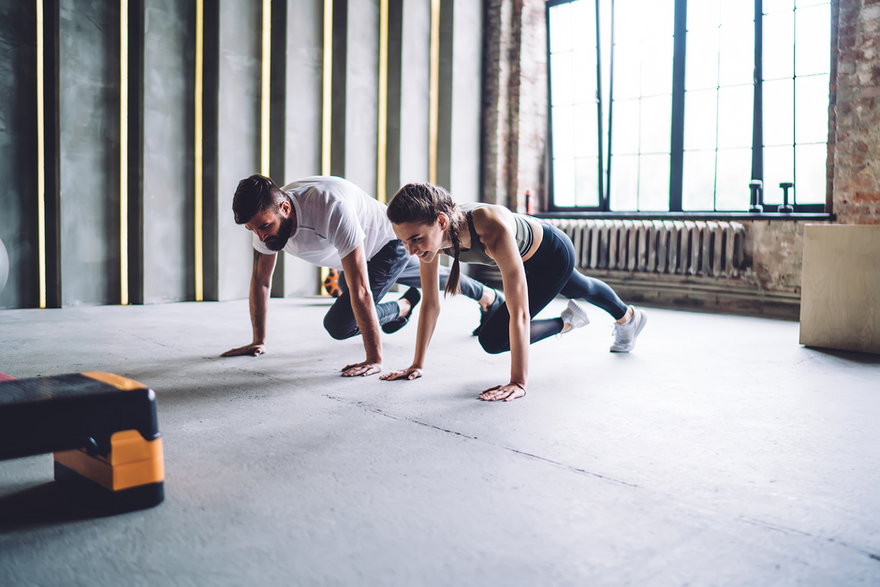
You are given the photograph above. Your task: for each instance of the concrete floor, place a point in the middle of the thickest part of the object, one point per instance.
(721, 452)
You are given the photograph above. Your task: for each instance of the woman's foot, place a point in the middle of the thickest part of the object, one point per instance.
(406, 303)
(573, 316)
(491, 301)
(625, 334)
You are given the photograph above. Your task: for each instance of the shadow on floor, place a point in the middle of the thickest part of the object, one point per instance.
(45, 505)
(855, 357)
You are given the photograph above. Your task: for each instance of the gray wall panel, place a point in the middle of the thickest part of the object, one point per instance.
(168, 154)
(239, 137)
(362, 67)
(89, 152)
(467, 48)
(18, 152)
(415, 92)
(305, 64)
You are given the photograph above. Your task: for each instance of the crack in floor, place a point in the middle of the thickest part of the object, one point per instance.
(584, 472)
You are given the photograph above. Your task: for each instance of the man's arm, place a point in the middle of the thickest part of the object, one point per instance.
(261, 281)
(356, 278)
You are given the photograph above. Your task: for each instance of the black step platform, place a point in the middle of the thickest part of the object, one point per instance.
(102, 428)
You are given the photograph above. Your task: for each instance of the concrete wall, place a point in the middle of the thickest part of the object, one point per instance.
(89, 66)
(167, 214)
(85, 244)
(303, 111)
(238, 139)
(18, 151)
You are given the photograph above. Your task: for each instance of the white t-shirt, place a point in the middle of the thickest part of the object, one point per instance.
(333, 217)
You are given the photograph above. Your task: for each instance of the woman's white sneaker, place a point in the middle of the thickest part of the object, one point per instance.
(574, 316)
(625, 334)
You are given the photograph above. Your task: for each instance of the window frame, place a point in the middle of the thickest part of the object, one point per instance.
(675, 202)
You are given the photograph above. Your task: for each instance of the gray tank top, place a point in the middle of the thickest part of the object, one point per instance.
(477, 252)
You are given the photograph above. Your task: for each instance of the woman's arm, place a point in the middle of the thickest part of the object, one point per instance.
(429, 274)
(493, 225)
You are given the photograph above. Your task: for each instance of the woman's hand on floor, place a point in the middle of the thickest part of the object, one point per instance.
(253, 349)
(409, 374)
(507, 392)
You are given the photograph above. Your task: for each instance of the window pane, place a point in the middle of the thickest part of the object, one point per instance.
(702, 15)
(563, 124)
(698, 179)
(735, 116)
(812, 95)
(734, 174)
(655, 124)
(657, 68)
(778, 112)
(700, 119)
(626, 127)
(811, 173)
(654, 182)
(737, 57)
(735, 12)
(701, 68)
(560, 78)
(813, 47)
(627, 71)
(770, 6)
(624, 182)
(778, 167)
(778, 45)
(587, 181)
(563, 182)
(562, 27)
(585, 131)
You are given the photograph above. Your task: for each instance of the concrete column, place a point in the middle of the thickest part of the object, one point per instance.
(303, 110)
(18, 152)
(167, 207)
(361, 87)
(462, 159)
(514, 102)
(238, 143)
(89, 147)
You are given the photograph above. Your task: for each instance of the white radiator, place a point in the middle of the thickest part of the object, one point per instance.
(685, 247)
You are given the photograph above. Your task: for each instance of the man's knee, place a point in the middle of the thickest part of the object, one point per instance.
(340, 329)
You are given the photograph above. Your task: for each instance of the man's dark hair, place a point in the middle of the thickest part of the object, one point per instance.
(255, 194)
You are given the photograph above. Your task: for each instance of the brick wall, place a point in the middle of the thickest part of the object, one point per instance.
(855, 145)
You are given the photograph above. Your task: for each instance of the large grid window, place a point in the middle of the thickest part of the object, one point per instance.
(677, 105)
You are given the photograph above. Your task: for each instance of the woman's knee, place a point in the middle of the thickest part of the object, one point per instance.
(493, 344)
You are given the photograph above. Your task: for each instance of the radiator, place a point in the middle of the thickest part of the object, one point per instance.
(684, 247)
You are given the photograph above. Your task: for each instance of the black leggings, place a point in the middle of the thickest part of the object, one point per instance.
(550, 272)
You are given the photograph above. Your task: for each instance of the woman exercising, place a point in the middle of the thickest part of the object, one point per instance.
(536, 261)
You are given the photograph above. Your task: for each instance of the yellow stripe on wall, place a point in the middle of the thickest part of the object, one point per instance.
(41, 156)
(382, 139)
(327, 97)
(123, 152)
(434, 93)
(198, 162)
(266, 91)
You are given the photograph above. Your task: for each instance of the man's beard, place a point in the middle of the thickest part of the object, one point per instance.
(276, 242)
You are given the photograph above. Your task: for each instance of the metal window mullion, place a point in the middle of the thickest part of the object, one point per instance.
(551, 163)
(605, 196)
(758, 108)
(599, 151)
(676, 148)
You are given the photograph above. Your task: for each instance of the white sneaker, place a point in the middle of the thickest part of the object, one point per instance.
(625, 334)
(574, 316)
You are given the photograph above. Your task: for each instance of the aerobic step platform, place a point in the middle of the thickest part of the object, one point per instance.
(102, 428)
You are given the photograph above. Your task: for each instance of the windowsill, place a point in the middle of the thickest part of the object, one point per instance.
(796, 216)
